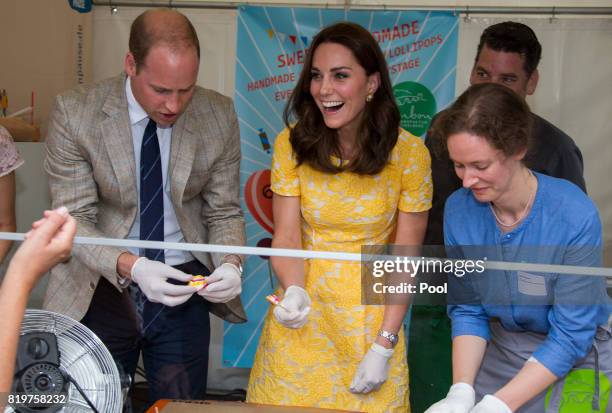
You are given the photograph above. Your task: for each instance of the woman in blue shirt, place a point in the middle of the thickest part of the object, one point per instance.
(516, 333)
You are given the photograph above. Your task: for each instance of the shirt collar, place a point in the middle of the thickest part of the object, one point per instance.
(136, 112)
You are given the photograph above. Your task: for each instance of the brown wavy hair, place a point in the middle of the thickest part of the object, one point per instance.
(313, 142)
(491, 111)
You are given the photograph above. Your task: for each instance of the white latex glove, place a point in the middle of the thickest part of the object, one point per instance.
(223, 284)
(294, 307)
(459, 399)
(491, 404)
(372, 371)
(152, 276)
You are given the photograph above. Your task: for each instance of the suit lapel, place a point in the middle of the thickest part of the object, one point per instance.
(117, 136)
(182, 154)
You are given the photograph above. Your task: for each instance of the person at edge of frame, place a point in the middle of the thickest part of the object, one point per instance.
(508, 53)
(522, 341)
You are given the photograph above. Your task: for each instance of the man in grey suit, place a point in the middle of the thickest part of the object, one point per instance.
(151, 156)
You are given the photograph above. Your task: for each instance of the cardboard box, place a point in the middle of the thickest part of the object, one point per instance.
(206, 406)
(20, 130)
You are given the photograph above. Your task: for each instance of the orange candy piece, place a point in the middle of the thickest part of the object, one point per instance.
(198, 281)
(273, 299)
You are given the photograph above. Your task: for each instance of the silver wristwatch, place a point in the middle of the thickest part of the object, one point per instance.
(235, 260)
(392, 338)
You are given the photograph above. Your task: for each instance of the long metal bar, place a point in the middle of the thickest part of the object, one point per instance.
(203, 4)
(308, 254)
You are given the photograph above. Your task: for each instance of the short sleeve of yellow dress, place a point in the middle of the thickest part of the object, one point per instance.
(314, 365)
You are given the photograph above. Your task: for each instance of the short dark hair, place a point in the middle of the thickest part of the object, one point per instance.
(176, 31)
(513, 37)
(491, 111)
(312, 141)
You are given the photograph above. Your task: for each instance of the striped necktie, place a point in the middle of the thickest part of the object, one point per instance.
(151, 192)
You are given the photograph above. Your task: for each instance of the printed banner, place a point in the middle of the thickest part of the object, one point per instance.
(421, 51)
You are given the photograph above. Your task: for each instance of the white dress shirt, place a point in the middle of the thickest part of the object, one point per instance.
(172, 232)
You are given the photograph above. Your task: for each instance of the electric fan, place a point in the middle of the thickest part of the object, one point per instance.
(62, 366)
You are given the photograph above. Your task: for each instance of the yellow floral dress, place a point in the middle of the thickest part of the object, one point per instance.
(314, 365)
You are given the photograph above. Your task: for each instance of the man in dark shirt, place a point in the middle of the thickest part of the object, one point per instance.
(508, 54)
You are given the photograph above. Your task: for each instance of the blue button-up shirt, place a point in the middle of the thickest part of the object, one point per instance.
(563, 227)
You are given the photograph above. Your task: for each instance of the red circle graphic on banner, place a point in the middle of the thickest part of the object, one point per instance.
(258, 197)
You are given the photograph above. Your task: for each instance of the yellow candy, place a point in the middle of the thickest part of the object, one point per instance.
(273, 299)
(198, 281)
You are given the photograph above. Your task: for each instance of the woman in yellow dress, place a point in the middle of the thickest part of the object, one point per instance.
(344, 175)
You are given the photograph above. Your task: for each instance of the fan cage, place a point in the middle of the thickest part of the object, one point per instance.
(84, 357)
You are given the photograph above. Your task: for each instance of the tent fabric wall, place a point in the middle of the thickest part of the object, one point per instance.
(574, 93)
(389, 4)
(46, 48)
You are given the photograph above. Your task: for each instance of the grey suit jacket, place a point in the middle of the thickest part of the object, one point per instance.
(91, 170)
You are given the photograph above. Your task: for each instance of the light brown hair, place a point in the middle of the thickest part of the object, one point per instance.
(161, 26)
(491, 111)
